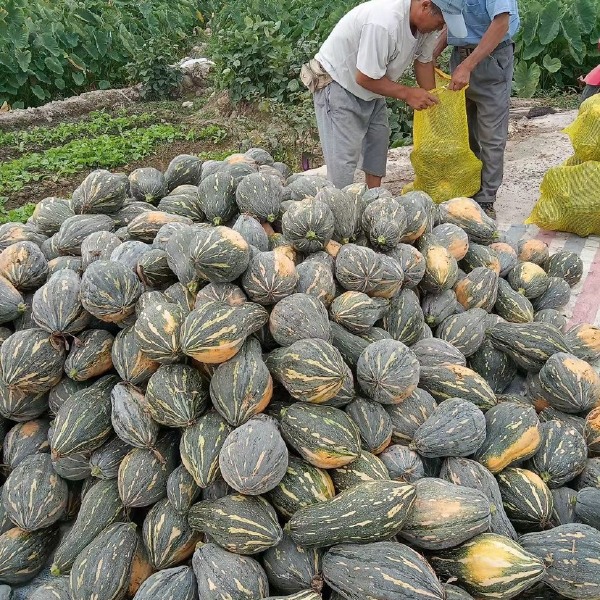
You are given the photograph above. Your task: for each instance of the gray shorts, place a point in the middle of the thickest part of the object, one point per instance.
(354, 133)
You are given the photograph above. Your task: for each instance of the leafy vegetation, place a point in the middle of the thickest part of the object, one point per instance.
(51, 48)
(97, 123)
(556, 44)
(104, 151)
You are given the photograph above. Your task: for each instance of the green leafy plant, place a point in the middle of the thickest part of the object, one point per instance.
(556, 44)
(104, 151)
(52, 48)
(155, 69)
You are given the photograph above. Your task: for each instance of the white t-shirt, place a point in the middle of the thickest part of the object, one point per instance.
(374, 38)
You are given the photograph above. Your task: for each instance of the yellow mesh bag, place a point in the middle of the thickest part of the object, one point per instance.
(584, 132)
(570, 200)
(591, 102)
(445, 167)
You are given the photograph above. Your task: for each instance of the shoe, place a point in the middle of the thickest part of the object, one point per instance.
(488, 209)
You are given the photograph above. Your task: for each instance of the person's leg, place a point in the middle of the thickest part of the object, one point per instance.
(342, 128)
(489, 90)
(471, 110)
(375, 144)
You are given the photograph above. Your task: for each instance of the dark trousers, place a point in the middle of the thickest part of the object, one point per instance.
(488, 103)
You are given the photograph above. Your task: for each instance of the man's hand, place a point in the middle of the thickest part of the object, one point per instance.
(420, 99)
(460, 78)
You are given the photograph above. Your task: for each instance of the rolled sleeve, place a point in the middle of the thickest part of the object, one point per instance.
(373, 51)
(425, 54)
(499, 7)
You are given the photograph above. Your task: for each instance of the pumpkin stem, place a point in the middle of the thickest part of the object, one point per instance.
(311, 235)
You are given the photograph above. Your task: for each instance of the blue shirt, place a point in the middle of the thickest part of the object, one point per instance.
(478, 16)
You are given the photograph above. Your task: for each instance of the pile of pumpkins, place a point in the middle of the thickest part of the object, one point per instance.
(230, 382)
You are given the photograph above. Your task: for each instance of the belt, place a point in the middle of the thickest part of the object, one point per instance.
(464, 51)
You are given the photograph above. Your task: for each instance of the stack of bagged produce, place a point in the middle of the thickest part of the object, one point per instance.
(228, 382)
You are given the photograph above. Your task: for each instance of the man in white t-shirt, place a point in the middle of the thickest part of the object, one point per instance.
(358, 66)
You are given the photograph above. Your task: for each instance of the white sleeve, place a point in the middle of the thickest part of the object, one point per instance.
(374, 51)
(426, 52)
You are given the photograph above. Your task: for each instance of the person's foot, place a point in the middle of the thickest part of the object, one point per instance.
(488, 209)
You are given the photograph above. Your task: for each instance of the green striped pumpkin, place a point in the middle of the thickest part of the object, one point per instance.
(350, 346)
(100, 507)
(528, 279)
(302, 485)
(437, 307)
(408, 416)
(445, 515)
(31, 361)
(220, 519)
(579, 389)
(298, 317)
(562, 454)
(221, 574)
(371, 511)
(21, 406)
(23, 554)
(219, 254)
(34, 496)
(105, 461)
(323, 435)
(132, 365)
(131, 419)
(167, 536)
(530, 345)
(380, 570)
(494, 366)
(357, 312)
(113, 566)
(404, 320)
(402, 463)
(584, 341)
(570, 553)
(587, 506)
(200, 445)
(254, 458)
(478, 289)
(367, 467)
(83, 422)
(90, 355)
(526, 498)
(387, 371)
(310, 370)
(242, 386)
(291, 568)
(490, 566)
(182, 490)
(470, 474)
(204, 338)
(511, 305)
(456, 428)
(270, 277)
(23, 440)
(143, 473)
(57, 589)
(564, 500)
(178, 583)
(158, 330)
(12, 304)
(513, 434)
(456, 381)
(176, 395)
(24, 265)
(109, 291)
(465, 331)
(373, 422)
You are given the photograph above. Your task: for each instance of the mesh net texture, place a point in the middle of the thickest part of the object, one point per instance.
(585, 132)
(570, 200)
(445, 167)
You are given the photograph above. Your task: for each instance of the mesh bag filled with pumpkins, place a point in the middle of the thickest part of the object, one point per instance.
(230, 382)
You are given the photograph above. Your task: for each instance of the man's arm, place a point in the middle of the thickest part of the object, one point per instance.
(491, 38)
(418, 98)
(442, 44)
(425, 74)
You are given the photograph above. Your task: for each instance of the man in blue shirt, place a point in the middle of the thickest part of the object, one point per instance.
(484, 61)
